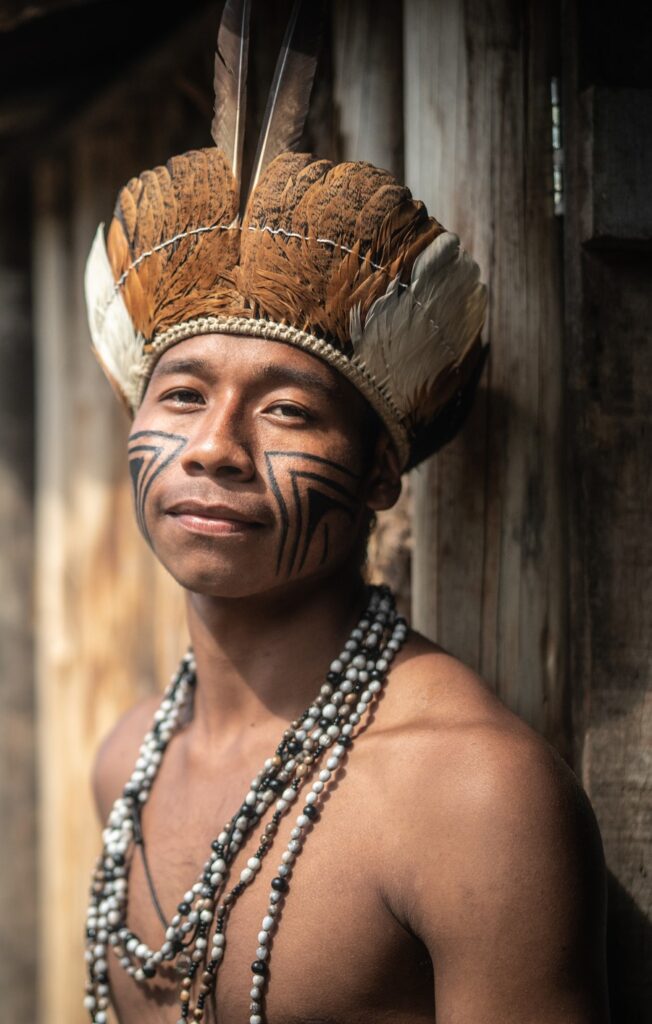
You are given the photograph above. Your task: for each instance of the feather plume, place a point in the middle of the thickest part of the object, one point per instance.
(174, 241)
(116, 344)
(289, 96)
(416, 336)
(230, 83)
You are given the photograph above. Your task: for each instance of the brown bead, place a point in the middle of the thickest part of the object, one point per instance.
(264, 840)
(351, 698)
(186, 983)
(184, 996)
(206, 978)
(197, 1013)
(276, 760)
(270, 828)
(308, 759)
(302, 770)
(228, 899)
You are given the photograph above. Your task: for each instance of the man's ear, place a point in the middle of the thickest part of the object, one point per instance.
(384, 480)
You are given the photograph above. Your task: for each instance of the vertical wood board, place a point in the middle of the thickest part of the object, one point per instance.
(489, 561)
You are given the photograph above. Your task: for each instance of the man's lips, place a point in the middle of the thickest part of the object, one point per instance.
(202, 517)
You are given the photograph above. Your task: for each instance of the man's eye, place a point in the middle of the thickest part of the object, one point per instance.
(183, 396)
(289, 411)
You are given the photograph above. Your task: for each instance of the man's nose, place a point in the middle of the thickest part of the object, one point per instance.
(219, 443)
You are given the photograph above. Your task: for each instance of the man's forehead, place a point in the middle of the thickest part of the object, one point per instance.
(249, 359)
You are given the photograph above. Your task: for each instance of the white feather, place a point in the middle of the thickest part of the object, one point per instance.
(413, 333)
(117, 344)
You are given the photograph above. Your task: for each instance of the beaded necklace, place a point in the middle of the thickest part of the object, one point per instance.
(195, 938)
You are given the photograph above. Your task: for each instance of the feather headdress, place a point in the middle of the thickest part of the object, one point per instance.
(338, 260)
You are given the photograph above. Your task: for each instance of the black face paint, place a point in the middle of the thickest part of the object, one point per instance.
(150, 452)
(318, 486)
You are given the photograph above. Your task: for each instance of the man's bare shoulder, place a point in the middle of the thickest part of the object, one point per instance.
(490, 817)
(118, 753)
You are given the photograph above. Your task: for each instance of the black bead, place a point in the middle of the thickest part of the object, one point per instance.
(310, 811)
(149, 972)
(217, 846)
(275, 785)
(332, 677)
(259, 967)
(279, 884)
(184, 908)
(246, 811)
(207, 891)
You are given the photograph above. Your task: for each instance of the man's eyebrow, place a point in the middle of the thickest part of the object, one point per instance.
(280, 375)
(196, 365)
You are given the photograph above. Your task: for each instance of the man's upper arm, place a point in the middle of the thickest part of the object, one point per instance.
(508, 890)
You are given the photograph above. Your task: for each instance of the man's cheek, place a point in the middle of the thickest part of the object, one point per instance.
(317, 499)
(150, 453)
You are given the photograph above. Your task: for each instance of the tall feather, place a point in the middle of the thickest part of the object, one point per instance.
(289, 96)
(230, 83)
(116, 342)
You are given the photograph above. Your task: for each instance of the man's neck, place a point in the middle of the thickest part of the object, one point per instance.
(260, 661)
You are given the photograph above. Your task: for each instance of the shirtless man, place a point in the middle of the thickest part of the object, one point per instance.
(283, 367)
(455, 873)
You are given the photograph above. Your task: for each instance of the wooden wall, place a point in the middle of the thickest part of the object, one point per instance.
(608, 277)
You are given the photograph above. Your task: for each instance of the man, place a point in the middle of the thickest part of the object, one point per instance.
(445, 865)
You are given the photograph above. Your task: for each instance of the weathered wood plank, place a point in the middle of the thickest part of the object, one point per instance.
(368, 97)
(18, 908)
(608, 317)
(488, 568)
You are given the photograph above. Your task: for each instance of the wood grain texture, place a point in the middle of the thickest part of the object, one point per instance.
(489, 561)
(609, 368)
(18, 897)
(368, 98)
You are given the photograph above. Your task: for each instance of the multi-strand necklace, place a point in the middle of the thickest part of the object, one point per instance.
(195, 938)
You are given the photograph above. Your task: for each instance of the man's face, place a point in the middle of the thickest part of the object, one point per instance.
(250, 468)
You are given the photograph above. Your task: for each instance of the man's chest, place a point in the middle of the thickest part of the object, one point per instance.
(336, 954)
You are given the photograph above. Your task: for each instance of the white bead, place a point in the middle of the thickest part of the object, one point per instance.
(89, 1002)
(330, 711)
(262, 952)
(324, 775)
(206, 916)
(246, 875)
(219, 865)
(253, 863)
(333, 731)
(289, 794)
(333, 762)
(317, 786)
(268, 923)
(311, 798)
(255, 993)
(302, 821)
(255, 1019)
(218, 939)
(336, 666)
(325, 740)
(263, 937)
(281, 804)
